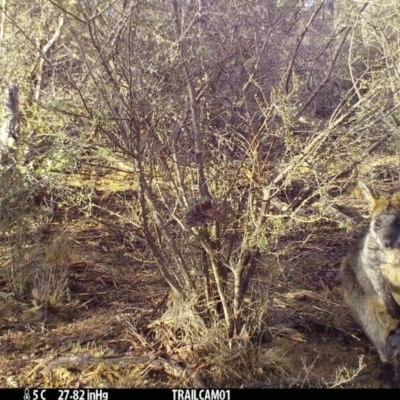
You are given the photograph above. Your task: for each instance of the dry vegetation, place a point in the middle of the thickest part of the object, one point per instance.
(94, 313)
(179, 190)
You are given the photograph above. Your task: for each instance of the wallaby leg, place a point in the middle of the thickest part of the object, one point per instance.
(375, 321)
(377, 325)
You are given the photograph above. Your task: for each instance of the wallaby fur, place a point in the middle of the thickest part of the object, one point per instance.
(393, 344)
(371, 280)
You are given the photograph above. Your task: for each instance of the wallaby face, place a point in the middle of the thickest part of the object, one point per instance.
(385, 222)
(371, 280)
(393, 344)
(386, 229)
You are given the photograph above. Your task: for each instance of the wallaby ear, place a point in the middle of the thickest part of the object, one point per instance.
(369, 194)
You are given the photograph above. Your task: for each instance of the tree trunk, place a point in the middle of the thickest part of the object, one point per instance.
(10, 126)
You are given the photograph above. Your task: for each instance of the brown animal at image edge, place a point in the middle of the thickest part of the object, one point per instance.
(370, 275)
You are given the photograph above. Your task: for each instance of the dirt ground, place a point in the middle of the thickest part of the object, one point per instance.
(105, 333)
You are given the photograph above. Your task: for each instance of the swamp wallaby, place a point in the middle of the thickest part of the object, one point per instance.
(371, 280)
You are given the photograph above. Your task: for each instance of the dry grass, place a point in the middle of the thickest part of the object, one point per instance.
(94, 297)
